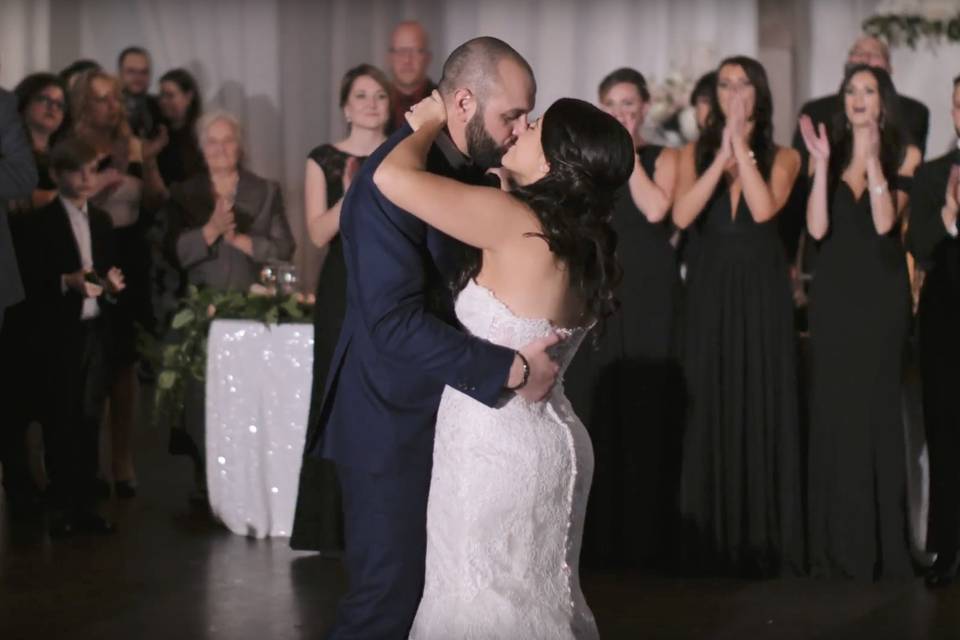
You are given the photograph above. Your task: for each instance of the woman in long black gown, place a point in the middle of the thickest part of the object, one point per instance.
(740, 481)
(627, 390)
(365, 100)
(859, 319)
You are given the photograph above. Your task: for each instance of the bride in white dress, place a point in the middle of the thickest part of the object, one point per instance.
(509, 486)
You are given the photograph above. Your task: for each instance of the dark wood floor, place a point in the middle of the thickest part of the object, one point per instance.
(171, 573)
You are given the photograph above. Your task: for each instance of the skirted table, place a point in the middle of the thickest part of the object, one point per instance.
(257, 400)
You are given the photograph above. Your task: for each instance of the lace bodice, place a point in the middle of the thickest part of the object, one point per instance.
(508, 496)
(486, 316)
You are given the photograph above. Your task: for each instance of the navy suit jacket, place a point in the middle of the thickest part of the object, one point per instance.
(399, 344)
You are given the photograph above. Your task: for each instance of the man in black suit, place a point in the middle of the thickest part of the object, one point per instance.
(914, 115)
(71, 283)
(932, 239)
(143, 109)
(18, 176)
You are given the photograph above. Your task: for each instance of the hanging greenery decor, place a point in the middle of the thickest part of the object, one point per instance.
(910, 23)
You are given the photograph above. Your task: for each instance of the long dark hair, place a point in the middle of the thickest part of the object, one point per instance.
(590, 156)
(891, 137)
(761, 140)
(187, 84)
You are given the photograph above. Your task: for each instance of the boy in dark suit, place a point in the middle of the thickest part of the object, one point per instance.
(71, 281)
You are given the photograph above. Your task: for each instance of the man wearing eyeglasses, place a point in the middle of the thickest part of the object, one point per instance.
(143, 111)
(914, 115)
(408, 60)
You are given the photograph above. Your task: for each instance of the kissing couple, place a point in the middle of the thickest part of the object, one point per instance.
(464, 470)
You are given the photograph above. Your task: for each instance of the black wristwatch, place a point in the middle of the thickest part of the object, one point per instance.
(526, 373)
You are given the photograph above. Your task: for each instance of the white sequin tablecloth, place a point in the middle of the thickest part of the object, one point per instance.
(258, 397)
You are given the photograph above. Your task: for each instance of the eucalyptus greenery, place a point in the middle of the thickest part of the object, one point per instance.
(183, 356)
(910, 28)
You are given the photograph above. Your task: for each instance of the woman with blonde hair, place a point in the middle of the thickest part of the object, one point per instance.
(128, 182)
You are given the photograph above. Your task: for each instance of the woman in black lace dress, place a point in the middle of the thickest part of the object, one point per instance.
(627, 390)
(859, 319)
(365, 100)
(740, 480)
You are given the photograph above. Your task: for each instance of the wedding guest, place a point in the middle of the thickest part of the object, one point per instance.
(71, 72)
(227, 221)
(42, 103)
(408, 60)
(932, 239)
(700, 97)
(632, 399)
(71, 277)
(143, 110)
(914, 116)
(224, 225)
(180, 108)
(859, 318)
(18, 177)
(128, 179)
(365, 101)
(740, 481)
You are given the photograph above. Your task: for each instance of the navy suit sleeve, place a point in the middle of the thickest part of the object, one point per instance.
(18, 173)
(388, 257)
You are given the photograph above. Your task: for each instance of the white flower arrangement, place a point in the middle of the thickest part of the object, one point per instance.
(671, 119)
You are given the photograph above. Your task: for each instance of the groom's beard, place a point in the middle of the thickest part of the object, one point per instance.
(482, 148)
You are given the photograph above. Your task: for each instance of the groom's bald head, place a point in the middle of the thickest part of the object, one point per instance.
(488, 89)
(476, 65)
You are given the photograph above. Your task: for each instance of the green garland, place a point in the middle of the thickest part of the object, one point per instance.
(909, 29)
(184, 356)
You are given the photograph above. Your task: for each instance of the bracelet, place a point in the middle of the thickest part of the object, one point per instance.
(879, 190)
(526, 373)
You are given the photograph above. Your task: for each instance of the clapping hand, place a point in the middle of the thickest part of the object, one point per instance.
(153, 146)
(108, 179)
(952, 200)
(223, 220)
(84, 282)
(429, 110)
(873, 140)
(115, 281)
(349, 171)
(818, 144)
(737, 118)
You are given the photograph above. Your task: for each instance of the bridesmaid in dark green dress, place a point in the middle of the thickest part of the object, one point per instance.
(859, 320)
(627, 389)
(365, 100)
(740, 484)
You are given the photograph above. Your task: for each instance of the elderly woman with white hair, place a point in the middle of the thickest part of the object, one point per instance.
(224, 224)
(227, 222)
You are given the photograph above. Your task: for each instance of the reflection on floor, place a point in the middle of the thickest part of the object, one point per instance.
(171, 572)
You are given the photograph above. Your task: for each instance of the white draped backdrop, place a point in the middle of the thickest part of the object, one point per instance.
(277, 63)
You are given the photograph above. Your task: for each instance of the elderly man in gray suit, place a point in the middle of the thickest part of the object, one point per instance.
(18, 177)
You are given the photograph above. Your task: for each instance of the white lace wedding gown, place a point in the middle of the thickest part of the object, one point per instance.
(507, 501)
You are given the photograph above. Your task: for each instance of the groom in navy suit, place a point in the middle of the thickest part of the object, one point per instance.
(401, 344)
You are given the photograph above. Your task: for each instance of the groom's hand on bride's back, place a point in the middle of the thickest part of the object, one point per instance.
(542, 369)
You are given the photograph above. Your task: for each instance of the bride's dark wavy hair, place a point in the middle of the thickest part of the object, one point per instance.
(590, 156)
